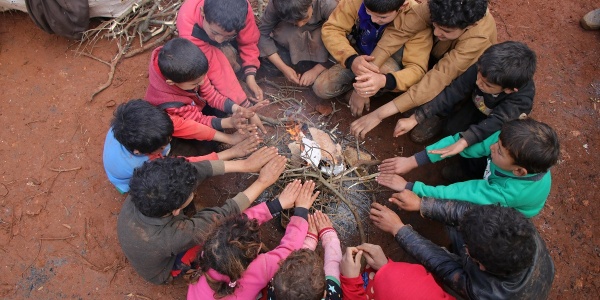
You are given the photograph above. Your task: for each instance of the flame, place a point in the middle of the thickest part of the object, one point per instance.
(294, 129)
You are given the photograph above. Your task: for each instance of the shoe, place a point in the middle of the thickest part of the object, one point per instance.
(591, 20)
(426, 130)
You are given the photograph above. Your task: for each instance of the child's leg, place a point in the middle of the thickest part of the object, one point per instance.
(333, 82)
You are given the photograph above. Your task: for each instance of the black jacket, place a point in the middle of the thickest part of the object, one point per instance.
(459, 274)
(504, 107)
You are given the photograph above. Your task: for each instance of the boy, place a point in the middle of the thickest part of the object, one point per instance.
(296, 26)
(517, 175)
(497, 89)
(140, 132)
(496, 252)
(366, 21)
(178, 84)
(214, 25)
(157, 239)
(463, 29)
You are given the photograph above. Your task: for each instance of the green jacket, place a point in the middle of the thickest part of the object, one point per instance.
(527, 193)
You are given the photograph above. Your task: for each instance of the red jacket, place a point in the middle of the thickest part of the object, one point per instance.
(220, 72)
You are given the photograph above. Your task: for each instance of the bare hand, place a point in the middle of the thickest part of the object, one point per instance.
(309, 76)
(271, 171)
(306, 198)
(245, 147)
(385, 219)
(393, 181)
(350, 265)
(322, 220)
(369, 84)
(259, 158)
(362, 126)
(374, 255)
(239, 120)
(405, 125)
(451, 150)
(289, 194)
(256, 90)
(358, 103)
(362, 65)
(406, 200)
(291, 75)
(398, 165)
(312, 227)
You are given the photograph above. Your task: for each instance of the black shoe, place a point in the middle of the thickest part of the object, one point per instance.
(426, 130)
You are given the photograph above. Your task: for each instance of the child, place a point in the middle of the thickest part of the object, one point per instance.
(232, 263)
(385, 278)
(178, 84)
(157, 239)
(366, 21)
(463, 29)
(300, 276)
(499, 88)
(496, 252)
(214, 25)
(296, 26)
(517, 175)
(140, 132)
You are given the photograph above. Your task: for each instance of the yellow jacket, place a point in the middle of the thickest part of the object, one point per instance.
(417, 47)
(455, 56)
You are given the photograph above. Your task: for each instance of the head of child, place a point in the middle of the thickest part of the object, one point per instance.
(505, 67)
(229, 249)
(297, 12)
(182, 63)
(300, 276)
(451, 18)
(499, 239)
(383, 12)
(141, 127)
(163, 187)
(525, 146)
(223, 19)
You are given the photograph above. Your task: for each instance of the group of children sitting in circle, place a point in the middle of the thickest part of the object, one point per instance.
(440, 55)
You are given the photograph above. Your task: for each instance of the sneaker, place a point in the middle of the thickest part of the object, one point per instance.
(426, 130)
(591, 20)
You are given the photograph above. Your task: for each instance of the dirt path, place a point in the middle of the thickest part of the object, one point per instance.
(58, 210)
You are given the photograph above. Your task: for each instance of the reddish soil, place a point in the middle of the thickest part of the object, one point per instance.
(58, 218)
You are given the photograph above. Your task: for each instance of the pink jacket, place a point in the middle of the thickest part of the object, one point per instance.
(264, 266)
(219, 70)
(333, 252)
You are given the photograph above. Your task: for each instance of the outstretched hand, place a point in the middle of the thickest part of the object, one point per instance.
(306, 198)
(358, 103)
(272, 170)
(362, 126)
(259, 158)
(246, 146)
(290, 193)
(322, 220)
(374, 255)
(392, 181)
(406, 200)
(405, 125)
(398, 165)
(451, 150)
(385, 219)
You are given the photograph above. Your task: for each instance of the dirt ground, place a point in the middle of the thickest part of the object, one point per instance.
(58, 210)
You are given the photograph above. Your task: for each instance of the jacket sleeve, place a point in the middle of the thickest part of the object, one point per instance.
(334, 32)
(213, 97)
(188, 129)
(478, 191)
(442, 264)
(247, 40)
(481, 149)
(269, 20)
(509, 109)
(450, 66)
(353, 288)
(445, 101)
(415, 59)
(448, 212)
(333, 254)
(259, 212)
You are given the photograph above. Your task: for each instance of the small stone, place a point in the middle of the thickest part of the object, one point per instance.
(586, 203)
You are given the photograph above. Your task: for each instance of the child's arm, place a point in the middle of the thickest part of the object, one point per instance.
(334, 32)
(269, 20)
(351, 281)
(399, 165)
(287, 71)
(331, 244)
(312, 238)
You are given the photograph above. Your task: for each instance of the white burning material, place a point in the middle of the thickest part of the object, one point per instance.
(320, 152)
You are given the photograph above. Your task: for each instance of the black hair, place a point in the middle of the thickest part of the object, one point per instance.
(181, 61)
(230, 15)
(292, 10)
(510, 64)
(533, 145)
(138, 125)
(383, 6)
(457, 13)
(162, 185)
(500, 238)
(230, 247)
(300, 277)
